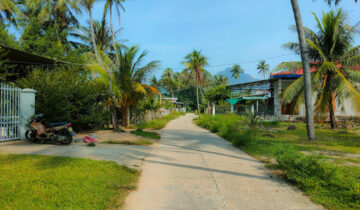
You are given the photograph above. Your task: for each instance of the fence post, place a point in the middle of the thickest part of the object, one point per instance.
(27, 109)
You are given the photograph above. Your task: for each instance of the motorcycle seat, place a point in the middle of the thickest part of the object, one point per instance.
(57, 124)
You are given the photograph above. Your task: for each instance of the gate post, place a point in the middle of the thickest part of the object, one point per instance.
(27, 109)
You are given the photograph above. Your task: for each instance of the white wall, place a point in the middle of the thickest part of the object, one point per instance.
(27, 109)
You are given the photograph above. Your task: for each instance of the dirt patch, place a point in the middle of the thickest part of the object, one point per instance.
(109, 135)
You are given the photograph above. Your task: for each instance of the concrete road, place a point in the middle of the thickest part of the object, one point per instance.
(192, 168)
(129, 155)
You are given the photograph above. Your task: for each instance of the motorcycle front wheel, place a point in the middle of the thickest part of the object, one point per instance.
(65, 137)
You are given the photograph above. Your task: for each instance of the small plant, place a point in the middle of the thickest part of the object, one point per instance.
(90, 141)
(91, 145)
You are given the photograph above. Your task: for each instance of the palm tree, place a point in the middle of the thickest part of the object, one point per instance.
(57, 12)
(103, 37)
(263, 68)
(129, 77)
(167, 79)
(334, 58)
(109, 5)
(154, 82)
(102, 75)
(220, 80)
(194, 65)
(306, 68)
(236, 70)
(88, 4)
(8, 10)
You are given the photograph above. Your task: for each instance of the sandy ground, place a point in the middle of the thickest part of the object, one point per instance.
(192, 168)
(106, 135)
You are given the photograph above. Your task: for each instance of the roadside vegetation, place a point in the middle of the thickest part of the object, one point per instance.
(159, 122)
(38, 182)
(146, 134)
(326, 169)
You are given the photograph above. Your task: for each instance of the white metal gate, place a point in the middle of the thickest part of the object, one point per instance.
(9, 112)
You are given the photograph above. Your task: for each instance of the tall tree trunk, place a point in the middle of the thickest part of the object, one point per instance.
(114, 116)
(332, 112)
(113, 108)
(306, 67)
(113, 34)
(117, 60)
(128, 117)
(93, 36)
(124, 116)
(197, 99)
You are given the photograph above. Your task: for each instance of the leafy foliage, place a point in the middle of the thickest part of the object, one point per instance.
(67, 96)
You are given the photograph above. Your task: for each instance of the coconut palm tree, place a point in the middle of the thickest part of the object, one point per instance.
(103, 37)
(8, 10)
(263, 68)
(129, 77)
(220, 80)
(167, 79)
(101, 74)
(154, 82)
(307, 77)
(335, 78)
(109, 4)
(236, 70)
(194, 66)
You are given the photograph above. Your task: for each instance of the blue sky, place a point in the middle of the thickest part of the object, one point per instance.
(227, 32)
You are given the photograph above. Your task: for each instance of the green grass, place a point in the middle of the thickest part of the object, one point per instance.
(45, 182)
(144, 142)
(324, 174)
(146, 134)
(160, 122)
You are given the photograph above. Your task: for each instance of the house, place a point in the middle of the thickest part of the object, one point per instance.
(268, 103)
(19, 63)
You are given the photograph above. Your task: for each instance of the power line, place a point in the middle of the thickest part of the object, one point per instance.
(78, 64)
(242, 62)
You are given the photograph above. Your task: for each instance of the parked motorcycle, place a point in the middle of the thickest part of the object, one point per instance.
(53, 132)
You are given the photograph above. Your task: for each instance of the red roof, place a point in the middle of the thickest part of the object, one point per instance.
(300, 71)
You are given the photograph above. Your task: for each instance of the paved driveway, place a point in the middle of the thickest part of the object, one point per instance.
(192, 168)
(129, 155)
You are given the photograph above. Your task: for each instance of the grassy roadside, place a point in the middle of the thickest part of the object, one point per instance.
(45, 182)
(146, 134)
(160, 122)
(326, 169)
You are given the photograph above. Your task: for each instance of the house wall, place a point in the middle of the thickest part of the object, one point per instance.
(281, 84)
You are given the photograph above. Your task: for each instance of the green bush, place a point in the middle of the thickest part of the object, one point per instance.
(229, 126)
(330, 185)
(67, 96)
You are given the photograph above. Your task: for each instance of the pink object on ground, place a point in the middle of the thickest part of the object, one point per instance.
(88, 139)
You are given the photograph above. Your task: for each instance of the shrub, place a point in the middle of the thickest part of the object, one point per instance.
(67, 96)
(245, 137)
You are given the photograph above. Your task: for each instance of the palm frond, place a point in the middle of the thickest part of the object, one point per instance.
(293, 91)
(288, 66)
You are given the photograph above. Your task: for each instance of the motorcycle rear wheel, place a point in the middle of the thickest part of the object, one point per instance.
(30, 135)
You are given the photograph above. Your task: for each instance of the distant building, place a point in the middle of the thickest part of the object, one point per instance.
(263, 97)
